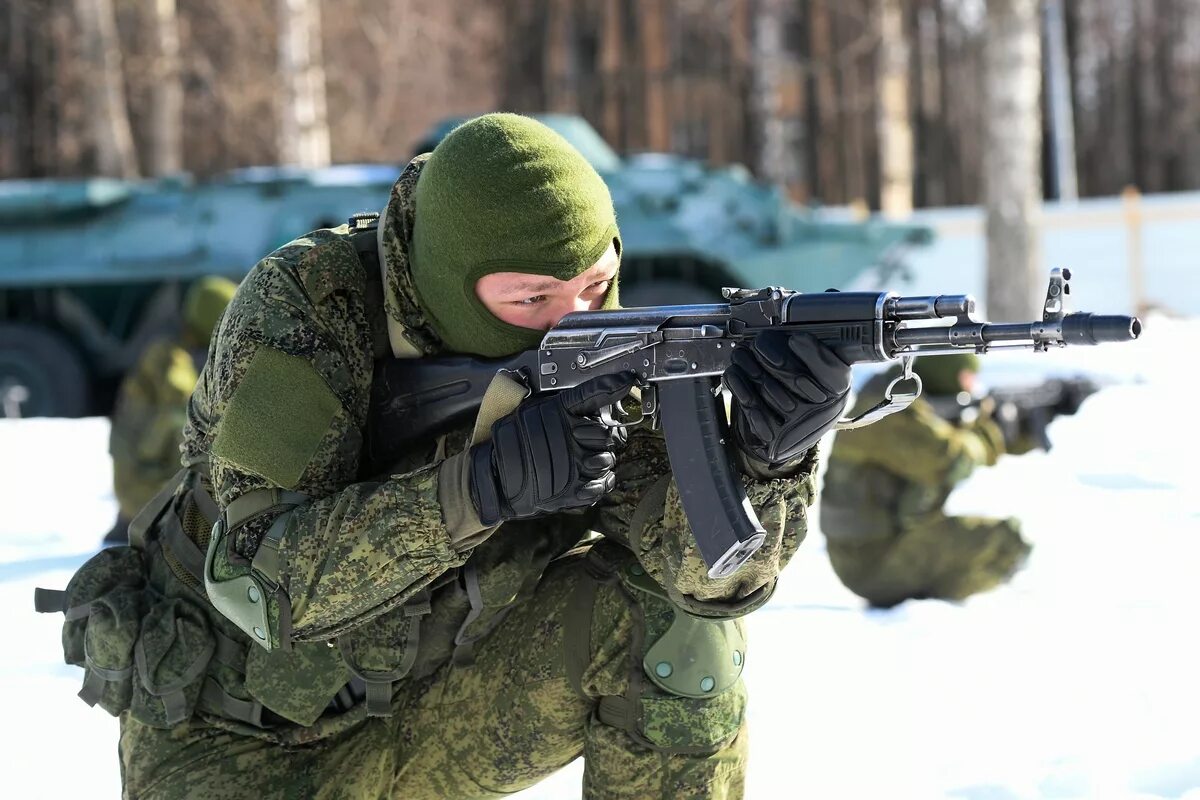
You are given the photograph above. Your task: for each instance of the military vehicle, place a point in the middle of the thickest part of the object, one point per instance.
(92, 270)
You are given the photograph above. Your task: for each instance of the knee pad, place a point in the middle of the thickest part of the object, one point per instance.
(685, 692)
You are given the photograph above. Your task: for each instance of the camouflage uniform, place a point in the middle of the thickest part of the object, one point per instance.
(486, 661)
(151, 407)
(147, 425)
(881, 507)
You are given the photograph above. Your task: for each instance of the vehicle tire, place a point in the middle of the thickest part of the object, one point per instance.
(41, 375)
(666, 293)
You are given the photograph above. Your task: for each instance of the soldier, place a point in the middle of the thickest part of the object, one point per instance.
(884, 488)
(151, 407)
(445, 626)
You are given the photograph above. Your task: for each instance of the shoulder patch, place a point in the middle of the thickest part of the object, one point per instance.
(276, 418)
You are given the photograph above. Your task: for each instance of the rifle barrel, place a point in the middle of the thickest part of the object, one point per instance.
(1075, 329)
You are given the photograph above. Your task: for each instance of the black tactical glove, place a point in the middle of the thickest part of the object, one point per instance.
(551, 454)
(789, 390)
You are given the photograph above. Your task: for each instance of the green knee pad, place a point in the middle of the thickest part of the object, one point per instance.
(688, 696)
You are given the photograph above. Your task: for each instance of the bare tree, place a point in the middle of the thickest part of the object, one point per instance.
(653, 30)
(105, 93)
(610, 53)
(561, 74)
(303, 126)
(779, 151)
(1011, 165)
(895, 129)
(1058, 106)
(166, 104)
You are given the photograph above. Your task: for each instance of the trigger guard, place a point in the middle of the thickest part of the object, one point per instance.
(607, 418)
(613, 417)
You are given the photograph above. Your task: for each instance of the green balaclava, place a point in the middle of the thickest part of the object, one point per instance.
(203, 305)
(939, 374)
(503, 193)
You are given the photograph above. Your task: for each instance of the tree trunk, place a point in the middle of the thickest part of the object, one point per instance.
(612, 73)
(779, 152)
(827, 180)
(561, 75)
(653, 28)
(931, 124)
(166, 122)
(107, 112)
(895, 129)
(741, 79)
(1058, 103)
(1012, 176)
(303, 127)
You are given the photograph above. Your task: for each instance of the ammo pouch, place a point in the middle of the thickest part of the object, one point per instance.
(102, 607)
(171, 656)
(140, 652)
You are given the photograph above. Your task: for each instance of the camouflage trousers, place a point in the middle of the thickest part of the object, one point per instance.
(538, 694)
(943, 557)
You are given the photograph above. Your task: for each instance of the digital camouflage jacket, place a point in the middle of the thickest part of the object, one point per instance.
(893, 474)
(147, 425)
(350, 561)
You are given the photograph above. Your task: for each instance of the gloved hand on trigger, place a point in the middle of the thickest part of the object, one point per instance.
(549, 455)
(789, 389)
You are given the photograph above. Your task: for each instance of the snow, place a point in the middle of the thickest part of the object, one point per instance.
(1076, 680)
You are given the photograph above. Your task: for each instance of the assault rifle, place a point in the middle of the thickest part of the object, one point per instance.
(1022, 412)
(679, 354)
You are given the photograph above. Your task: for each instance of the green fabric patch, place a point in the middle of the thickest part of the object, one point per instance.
(277, 418)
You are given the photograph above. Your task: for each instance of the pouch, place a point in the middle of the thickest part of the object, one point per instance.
(171, 657)
(103, 606)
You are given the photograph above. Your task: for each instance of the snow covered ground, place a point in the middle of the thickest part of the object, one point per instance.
(1077, 680)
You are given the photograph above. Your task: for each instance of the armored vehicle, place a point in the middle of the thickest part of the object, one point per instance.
(92, 270)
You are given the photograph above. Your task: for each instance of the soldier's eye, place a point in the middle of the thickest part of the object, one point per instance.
(531, 301)
(598, 286)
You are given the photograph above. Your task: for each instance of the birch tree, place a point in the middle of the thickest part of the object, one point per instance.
(303, 126)
(108, 115)
(779, 148)
(895, 129)
(166, 110)
(1011, 157)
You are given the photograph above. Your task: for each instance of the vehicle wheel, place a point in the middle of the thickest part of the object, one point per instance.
(666, 293)
(41, 375)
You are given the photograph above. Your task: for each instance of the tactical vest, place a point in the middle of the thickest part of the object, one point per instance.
(141, 623)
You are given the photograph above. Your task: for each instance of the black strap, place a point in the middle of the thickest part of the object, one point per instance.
(144, 520)
(379, 698)
(617, 712)
(247, 711)
(229, 653)
(366, 244)
(577, 632)
(47, 601)
(93, 687)
(204, 502)
(649, 507)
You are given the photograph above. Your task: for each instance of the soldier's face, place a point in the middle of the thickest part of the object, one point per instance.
(540, 301)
